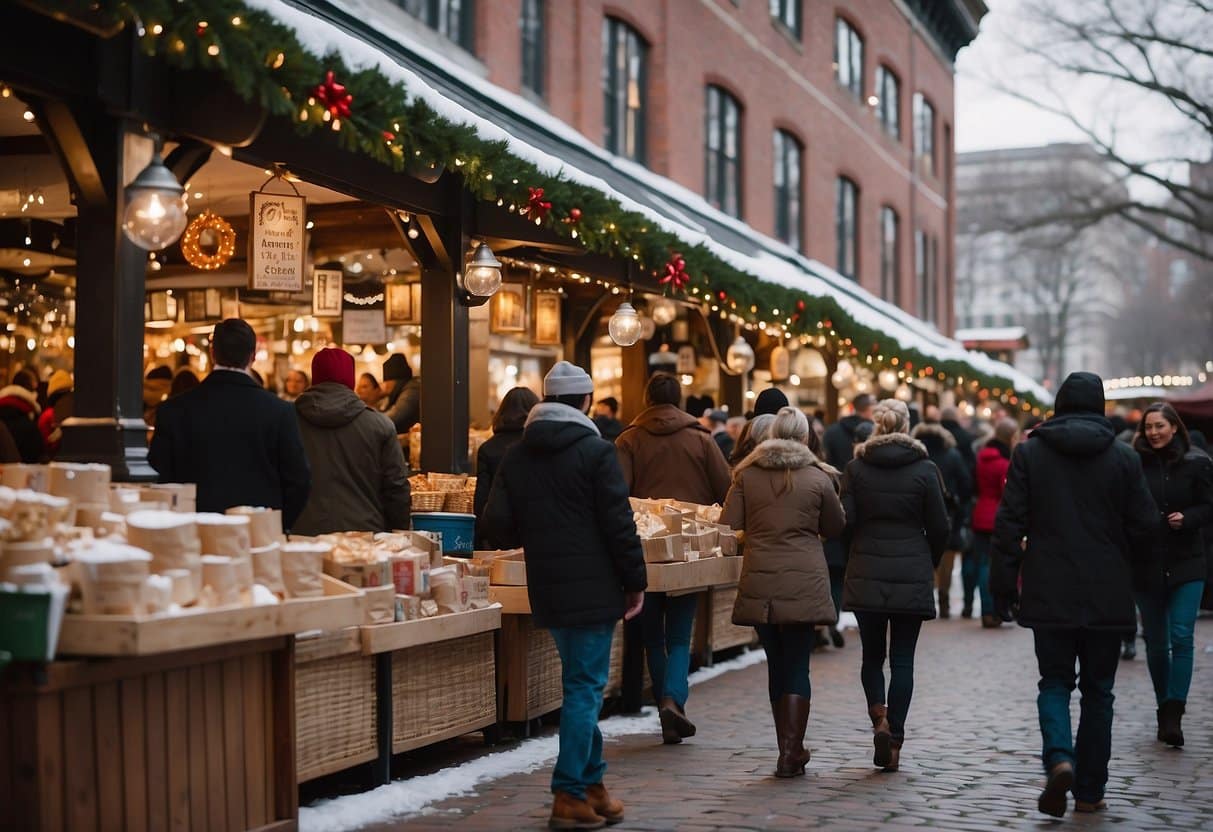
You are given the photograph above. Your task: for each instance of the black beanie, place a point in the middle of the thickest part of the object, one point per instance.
(1080, 393)
(397, 368)
(770, 401)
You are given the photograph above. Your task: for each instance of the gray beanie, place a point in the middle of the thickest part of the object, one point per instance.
(567, 379)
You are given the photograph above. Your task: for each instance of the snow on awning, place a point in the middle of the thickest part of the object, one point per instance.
(554, 147)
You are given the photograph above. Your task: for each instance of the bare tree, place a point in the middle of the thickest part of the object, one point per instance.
(1131, 54)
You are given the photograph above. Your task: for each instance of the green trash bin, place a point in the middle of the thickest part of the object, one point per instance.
(24, 626)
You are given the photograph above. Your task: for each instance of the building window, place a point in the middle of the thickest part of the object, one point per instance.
(722, 159)
(787, 12)
(533, 45)
(890, 245)
(848, 57)
(846, 219)
(452, 18)
(926, 274)
(924, 133)
(888, 100)
(787, 188)
(624, 76)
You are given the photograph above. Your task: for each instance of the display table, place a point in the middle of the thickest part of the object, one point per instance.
(714, 628)
(366, 693)
(197, 739)
(528, 666)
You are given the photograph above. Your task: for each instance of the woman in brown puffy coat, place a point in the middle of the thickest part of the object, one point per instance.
(785, 500)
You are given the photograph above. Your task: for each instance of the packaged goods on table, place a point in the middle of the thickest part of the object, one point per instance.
(672, 531)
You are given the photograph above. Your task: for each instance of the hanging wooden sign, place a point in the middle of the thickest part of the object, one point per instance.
(277, 244)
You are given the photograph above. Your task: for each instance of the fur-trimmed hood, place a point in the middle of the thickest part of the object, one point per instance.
(891, 450)
(14, 395)
(783, 455)
(934, 436)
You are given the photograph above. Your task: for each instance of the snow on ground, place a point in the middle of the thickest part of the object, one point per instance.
(414, 795)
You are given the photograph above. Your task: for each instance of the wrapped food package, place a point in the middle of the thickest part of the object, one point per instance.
(19, 475)
(111, 578)
(172, 538)
(445, 590)
(302, 567)
(33, 515)
(411, 573)
(265, 524)
(24, 552)
(220, 581)
(82, 483)
(267, 568)
(157, 593)
(380, 604)
(408, 607)
(224, 534)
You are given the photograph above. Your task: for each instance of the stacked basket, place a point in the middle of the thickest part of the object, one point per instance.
(443, 492)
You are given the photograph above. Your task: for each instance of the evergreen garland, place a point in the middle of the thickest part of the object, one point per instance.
(264, 61)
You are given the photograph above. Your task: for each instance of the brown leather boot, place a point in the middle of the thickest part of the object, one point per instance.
(894, 756)
(600, 801)
(570, 812)
(670, 735)
(793, 756)
(677, 716)
(882, 735)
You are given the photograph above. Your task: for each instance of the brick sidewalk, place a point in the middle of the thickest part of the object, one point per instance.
(970, 760)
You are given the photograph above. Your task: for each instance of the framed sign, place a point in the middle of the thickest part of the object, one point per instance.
(214, 304)
(195, 305)
(326, 293)
(277, 246)
(547, 320)
(403, 303)
(507, 311)
(363, 326)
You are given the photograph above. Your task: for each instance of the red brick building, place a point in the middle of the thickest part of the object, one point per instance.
(777, 111)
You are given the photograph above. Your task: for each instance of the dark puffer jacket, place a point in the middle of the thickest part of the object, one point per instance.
(560, 495)
(897, 525)
(359, 482)
(839, 441)
(1080, 499)
(958, 485)
(1179, 481)
(488, 462)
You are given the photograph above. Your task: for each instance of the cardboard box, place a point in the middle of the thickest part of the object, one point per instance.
(408, 608)
(362, 575)
(509, 570)
(665, 549)
(475, 592)
(703, 540)
(411, 573)
(380, 604)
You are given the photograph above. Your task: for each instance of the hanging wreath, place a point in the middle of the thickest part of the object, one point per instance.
(224, 245)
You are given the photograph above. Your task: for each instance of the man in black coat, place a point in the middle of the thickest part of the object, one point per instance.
(949, 417)
(1079, 498)
(561, 495)
(237, 441)
(839, 439)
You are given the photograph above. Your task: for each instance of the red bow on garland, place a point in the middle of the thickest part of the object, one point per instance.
(333, 96)
(536, 208)
(676, 273)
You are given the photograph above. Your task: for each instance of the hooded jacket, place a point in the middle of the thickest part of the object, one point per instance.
(897, 525)
(957, 482)
(784, 499)
(1180, 481)
(19, 412)
(404, 404)
(488, 461)
(1080, 499)
(839, 441)
(560, 495)
(359, 481)
(993, 461)
(667, 453)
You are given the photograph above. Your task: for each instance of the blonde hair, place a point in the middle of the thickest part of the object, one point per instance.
(890, 416)
(790, 423)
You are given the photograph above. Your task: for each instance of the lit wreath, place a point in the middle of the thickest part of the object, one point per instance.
(193, 253)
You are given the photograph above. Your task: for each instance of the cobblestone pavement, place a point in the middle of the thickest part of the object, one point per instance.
(970, 761)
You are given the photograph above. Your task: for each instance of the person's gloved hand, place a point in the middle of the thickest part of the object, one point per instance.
(1006, 606)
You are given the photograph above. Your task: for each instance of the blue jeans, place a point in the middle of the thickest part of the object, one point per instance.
(667, 621)
(1168, 620)
(976, 566)
(788, 647)
(1098, 655)
(895, 636)
(585, 659)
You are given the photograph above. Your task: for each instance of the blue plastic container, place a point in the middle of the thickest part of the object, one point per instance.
(458, 530)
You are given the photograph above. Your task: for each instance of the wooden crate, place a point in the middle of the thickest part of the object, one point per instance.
(442, 690)
(693, 575)
(336, 713)
(379, 638)
(123, 635)
(722, 633)
(198, 740)
(528, 672)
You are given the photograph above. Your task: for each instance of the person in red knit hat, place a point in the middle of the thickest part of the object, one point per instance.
(359, 478)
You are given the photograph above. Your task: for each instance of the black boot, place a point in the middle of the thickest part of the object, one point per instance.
(836, 637)
(1130, 648)
(1169, 729)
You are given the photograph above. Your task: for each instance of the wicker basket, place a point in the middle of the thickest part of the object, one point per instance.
(448, 482)
(724, 633)
(442, 690)
(461, 502)
(428, 500)
(614, 685)
(335, 715)
(544, 691)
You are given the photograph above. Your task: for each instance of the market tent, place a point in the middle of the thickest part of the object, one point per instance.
(1196, 407)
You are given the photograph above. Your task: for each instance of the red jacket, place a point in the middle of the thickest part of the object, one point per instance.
(992, 465)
